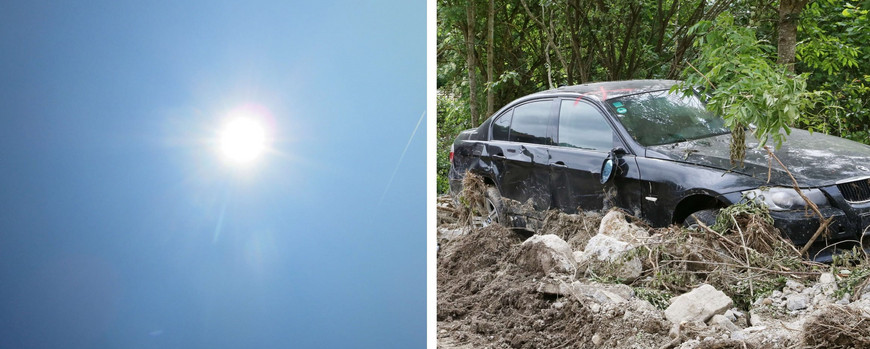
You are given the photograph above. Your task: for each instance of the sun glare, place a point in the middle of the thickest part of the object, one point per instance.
(242, 140)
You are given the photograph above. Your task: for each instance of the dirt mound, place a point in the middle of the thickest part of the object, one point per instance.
(479, 250)
(485, 298)
(576, 229)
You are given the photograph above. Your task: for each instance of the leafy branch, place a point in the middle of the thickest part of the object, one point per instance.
(750, 89)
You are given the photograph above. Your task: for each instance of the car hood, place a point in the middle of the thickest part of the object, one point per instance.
(814, 159)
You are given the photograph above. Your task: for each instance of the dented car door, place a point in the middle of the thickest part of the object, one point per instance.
(583, 140)
(519, 152)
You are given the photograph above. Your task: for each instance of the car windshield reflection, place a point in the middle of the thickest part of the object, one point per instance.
(661, 117)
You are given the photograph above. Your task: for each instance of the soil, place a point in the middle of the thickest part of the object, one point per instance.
(486, 299)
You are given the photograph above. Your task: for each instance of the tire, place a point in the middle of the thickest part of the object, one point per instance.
(493, 210)
(707, 217)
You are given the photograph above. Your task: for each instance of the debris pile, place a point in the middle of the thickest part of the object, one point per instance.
(606, 280)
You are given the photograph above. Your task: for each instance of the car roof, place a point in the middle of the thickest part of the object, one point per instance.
(612, 89)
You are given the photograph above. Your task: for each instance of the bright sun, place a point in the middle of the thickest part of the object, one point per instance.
(242, 140)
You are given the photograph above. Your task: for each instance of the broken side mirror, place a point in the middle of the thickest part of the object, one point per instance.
(607, 171)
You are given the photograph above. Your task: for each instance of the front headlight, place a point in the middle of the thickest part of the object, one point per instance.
(785, 199)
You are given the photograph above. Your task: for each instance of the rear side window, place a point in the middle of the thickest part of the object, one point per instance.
(530, 123)
(581, 125)
(501, 126)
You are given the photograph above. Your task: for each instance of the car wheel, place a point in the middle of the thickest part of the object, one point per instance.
(707, 217)
(493, 210)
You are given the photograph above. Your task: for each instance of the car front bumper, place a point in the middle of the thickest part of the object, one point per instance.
(800, 225)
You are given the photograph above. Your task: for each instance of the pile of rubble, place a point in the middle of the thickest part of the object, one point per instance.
(497, 290)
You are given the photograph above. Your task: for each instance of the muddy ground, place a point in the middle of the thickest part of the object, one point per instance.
(495, 291)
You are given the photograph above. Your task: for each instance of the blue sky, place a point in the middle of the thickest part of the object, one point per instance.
(120, 226)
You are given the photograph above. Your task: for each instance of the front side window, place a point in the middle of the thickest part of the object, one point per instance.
(582, 126)
(530, 123)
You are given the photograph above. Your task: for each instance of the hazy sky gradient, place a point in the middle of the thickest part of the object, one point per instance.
(111, 191)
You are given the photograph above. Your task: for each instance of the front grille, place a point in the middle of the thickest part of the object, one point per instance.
(857, 191)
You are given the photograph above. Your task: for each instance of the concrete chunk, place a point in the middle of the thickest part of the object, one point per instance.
(605, 254)
(615, 225)
(699, 304)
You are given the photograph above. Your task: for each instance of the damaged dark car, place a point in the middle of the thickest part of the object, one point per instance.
(660, 156)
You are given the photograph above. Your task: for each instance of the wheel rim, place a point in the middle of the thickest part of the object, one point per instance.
(491, 216)
(491, 213)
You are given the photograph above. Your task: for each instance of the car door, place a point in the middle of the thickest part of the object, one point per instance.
(520, 155)
(584, 139)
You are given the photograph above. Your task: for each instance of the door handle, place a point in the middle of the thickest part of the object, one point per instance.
(559, 164)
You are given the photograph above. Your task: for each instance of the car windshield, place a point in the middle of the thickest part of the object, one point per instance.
(661, 117)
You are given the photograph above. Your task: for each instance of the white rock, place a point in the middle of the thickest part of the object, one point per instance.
(796, 302)
(547, 253)
(821, 300)
(578, 256)
(730, 315)
(845, 299)
(596, 339)
(597, 292)
(738, 335)
(862, 305)
(621, 290)
(554, 287)
(827, 283)
(755, 320)
(699, 304)
(615, 225)
(776, 294)
(606, 252)
(724, 323)
(675, 330)
(605, 248)
(794, 285)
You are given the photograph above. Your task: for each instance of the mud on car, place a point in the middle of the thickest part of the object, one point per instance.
(660, 156)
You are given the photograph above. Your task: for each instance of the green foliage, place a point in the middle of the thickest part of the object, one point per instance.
(849, 283)
(743, 84)
(451, 120)
(725, 222)
(506, 77)
(852, 269)
(743, 294)
(833, 50)
(659, 299)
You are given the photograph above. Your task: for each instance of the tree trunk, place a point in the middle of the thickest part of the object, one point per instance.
(471, 63)
(490, 53)
(789, 14)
